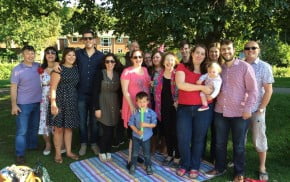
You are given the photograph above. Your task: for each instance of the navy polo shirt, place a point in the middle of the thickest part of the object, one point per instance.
(88, 67)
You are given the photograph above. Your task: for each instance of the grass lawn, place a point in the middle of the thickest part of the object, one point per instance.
(278, 127)
(283, 82)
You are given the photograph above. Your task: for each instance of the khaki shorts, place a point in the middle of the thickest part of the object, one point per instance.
(258, 127)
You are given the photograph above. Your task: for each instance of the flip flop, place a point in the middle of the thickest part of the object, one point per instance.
(180, 172)
(58, 160)
(193, 174)
(73, 157)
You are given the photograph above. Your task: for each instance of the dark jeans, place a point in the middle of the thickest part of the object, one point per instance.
(238, 127)
(106, 138)
(27, 124)
(87, 120)
(212, 143)
(192, 126)
(137, 143)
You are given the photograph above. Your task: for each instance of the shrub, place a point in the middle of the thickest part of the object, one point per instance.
(5, 70)
(281, 71)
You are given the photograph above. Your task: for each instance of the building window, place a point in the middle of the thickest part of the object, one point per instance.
(74, 39)
(105, 41)
(119, 40)
(120, 50)
(105, 50)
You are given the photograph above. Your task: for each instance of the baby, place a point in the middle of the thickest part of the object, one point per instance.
(213, 80)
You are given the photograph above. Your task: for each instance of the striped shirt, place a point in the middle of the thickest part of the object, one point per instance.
(239, 89)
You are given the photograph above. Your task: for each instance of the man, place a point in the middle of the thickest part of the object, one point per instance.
(88, 62)
(133, 46)
(25, 102)
(264, 78)
(147, 60)
(185, 51)
(233, 110)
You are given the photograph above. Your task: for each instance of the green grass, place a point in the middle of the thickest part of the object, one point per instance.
(278, 127)
(4, 83)
(283, 82)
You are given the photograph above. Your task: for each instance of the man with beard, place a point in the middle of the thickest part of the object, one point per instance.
(185, 51)
(233, 110)
(264, 77)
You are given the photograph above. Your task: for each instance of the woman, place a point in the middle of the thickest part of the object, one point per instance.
(63, 97)
(192, 125)
(165, 107)
(107, 102)
(134, 79)
(50, 57)
(213, 56)
(155, 70)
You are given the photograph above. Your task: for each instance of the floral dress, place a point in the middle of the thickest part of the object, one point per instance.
(45, 84)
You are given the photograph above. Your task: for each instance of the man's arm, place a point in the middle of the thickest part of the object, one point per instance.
(13, 92)
(267, 95)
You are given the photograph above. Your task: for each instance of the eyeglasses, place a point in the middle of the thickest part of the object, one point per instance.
(251, 48)
(50, 52)
(110, 61)
(136, 57)
(88, 38)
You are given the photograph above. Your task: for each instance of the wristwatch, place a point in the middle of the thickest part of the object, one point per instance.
(261, 110)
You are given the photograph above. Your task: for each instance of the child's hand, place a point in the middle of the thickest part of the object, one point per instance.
(139, 132)
(142, 125)
(198, 82)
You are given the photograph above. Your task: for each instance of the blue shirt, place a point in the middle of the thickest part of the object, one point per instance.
(264, 75)
(149, 117)
(88, 67)
(28, 82)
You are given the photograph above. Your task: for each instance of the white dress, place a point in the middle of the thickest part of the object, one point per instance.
(45, 83)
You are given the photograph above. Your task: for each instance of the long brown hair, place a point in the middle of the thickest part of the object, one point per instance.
(190, 64)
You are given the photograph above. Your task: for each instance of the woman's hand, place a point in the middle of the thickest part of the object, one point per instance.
(133, 109)
(98, 114)
(206, 90)
(54, 110)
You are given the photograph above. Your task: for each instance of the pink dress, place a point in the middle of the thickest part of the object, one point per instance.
(137, 83)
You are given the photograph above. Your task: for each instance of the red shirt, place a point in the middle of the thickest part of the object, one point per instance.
(185, 97)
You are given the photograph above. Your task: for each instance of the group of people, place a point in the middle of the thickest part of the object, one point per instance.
(161, 104)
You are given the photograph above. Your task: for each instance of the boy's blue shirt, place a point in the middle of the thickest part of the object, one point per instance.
(149, 117)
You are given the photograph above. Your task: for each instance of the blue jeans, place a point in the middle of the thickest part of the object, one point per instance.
(137, 143)
(238, 127)
(87, 120)
(192, 126)
(27, 124)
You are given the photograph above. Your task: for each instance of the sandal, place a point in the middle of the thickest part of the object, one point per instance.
(180, 172)
(193, 174)
(73, 156)
(58, 160)
(263, 176)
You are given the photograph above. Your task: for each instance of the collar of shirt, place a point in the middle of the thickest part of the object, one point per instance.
(25, 65)
(256, 61)
(139, 110)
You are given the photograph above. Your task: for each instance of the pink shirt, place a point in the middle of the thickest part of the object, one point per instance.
(239, 89)
(137, 83)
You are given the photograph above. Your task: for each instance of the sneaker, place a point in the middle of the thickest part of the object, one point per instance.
(132, 169)
(63, 151)
(149, 170)
(230, 164)
(167, 161)
(103, 157)
(109, 156)
(95, 149)
(203, 108)
(140, 160)
(83, 149)
(46, 152)
(116, 144)
(20, 160)
(214, 173)
(263, 176)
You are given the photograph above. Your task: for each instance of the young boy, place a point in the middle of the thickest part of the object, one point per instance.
(142, 122)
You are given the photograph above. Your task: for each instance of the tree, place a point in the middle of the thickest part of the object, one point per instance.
(30, 22)
(151, 21)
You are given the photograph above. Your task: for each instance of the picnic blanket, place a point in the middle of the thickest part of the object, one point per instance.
(93, 169)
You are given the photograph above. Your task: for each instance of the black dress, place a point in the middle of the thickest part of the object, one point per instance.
(66, 99)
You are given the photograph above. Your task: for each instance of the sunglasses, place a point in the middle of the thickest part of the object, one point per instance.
(88, 38)
(110, 61)
(251, 48)
(136, 57)
(50, 52)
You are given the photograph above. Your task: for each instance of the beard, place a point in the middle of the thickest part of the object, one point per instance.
(228, 59)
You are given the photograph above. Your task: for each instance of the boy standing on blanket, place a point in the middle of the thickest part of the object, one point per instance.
(141, 122)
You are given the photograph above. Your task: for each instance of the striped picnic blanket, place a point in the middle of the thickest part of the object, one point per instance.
(93, 169)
